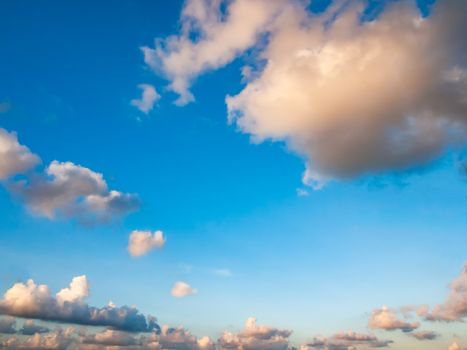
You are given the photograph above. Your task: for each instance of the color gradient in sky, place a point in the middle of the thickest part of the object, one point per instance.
(233, 175)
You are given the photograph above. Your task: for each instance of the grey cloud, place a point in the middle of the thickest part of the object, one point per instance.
(7, 325)
(36, 302)
(346, 341)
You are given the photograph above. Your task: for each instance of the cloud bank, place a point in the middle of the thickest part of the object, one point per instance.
(29, 300)
(352, 96)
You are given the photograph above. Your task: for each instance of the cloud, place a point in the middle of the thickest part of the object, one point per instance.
(67, 190)
(182, 289)
(210, 39)
(30, 328)
(346, 341)
(424, 335)
(29, 300)
(147, 101)
(222, 272)
(7, 325)
(180, 339)
(14, 157)
(57, 340)
(142, 242)
(255, 337)
(111, 337)
(386, 319)
(455, 307)
(349, 95)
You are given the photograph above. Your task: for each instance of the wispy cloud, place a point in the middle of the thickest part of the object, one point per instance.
(150, 96)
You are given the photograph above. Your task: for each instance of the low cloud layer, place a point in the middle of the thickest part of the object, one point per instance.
(346, 341)
(350, 95)
(255, 336)
(142, 242)
(29, 300)
(63, 190)
(424, 335)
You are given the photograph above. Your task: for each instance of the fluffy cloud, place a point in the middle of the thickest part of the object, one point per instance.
(7, 325)
(72, 191)
(180, 339)
(255, 337)
(34, 301)
(346, 341)
(455, 307)
(181, 289)
(142, 242)
(209, 40)
(386, 319)
(14, 157)
(57, 340)
(111, 337)
(147, 101)
(424, 335)
(351, 96)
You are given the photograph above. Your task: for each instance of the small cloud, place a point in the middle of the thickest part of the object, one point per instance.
(386, 319)
(30, 328)
(182, 289)
(302, 192)
(148, 99)
(424, 335)
(222, 272)
(142, 242)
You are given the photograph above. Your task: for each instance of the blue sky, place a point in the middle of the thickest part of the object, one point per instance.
(225, 195)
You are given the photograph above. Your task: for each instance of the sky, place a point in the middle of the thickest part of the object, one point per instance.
(242, 174)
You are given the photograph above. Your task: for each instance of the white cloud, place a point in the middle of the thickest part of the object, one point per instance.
(455, 307)
(14, 157)
(142, 242)
(255, 337)
(148, 99)
(181, 289)
(352, 97)
(29, 300)
(219, 39)
(386, 319)
(346, 341)
(73, 191)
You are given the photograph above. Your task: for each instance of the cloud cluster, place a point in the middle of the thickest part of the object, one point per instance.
(142, 242)
(63, 190)
(14, 157)
(386, 319)
(148, 99)
(181, 289)
(346, 341)
(455, 307)
(34, 301)
(255, 337)
(57, 340)
(350, 95)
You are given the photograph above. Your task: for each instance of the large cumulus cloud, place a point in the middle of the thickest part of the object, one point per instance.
(351, 96)
(30, 300)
